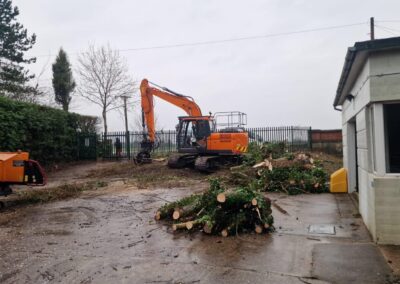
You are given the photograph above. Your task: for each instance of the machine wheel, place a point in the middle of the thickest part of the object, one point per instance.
(143, 157)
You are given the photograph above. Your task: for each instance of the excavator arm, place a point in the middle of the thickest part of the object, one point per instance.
(147, 96)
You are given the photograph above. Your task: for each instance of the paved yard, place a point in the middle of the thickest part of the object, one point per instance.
(112, 238)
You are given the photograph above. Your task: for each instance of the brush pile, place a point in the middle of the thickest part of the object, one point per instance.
(271, 168)
(220, 212)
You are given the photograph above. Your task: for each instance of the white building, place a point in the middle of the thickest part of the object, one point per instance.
(369, 96)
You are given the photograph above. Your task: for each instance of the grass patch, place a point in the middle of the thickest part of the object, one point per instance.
(65, 191)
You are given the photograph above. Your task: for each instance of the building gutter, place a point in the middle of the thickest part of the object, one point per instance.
(350, 57)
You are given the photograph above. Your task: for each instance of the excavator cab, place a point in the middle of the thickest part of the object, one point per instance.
(193, 132)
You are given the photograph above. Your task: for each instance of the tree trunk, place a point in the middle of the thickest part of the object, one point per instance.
(65, 104)
(105, 120)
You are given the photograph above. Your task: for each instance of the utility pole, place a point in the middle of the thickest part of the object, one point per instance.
(125, 98)
(372, 27)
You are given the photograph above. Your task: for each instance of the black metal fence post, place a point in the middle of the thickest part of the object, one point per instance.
(128, 145)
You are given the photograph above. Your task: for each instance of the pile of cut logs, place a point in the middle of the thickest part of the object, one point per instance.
(221, 212)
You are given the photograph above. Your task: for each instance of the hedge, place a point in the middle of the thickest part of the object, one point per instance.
(50, 135)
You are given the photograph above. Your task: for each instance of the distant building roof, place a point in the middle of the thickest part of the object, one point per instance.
(355, 59)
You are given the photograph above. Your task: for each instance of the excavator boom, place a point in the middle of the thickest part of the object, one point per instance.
(147, 94)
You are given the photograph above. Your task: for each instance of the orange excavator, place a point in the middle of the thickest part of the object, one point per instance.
(203, 141)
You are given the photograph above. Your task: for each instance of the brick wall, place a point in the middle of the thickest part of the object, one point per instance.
(334, 135)
(329, 141)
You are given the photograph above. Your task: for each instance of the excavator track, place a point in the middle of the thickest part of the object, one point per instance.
(207, 164)
(179, 161)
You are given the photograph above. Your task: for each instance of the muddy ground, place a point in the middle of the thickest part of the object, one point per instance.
(107, 234)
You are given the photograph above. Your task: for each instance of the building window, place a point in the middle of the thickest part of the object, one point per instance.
(392, 137)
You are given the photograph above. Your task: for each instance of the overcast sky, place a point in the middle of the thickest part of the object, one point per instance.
(277, 81)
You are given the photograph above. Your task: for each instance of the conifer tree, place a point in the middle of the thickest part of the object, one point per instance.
(63, 82)
(14, 42)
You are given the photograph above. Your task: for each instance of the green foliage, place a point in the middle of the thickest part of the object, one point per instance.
(63, 82)
(254, 154)
(294, 180)
(257, 153)
(50, 135)
(14, 42)
(180, 203)
(293, 176)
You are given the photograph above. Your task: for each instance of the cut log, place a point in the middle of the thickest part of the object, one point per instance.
(184, 211)
(164, 213)
(189, 225)
(195, 223)
(266, 226)
(234, 197)
(178, 226)
(176, 214)
(260, 165)
(221, 197)
(224, 233)
(258, 229)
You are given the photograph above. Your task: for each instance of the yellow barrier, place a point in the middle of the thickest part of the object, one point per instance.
(339, 181)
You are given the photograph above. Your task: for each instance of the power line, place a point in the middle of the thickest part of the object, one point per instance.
(211, 42)
(392, 29)
(389, 21)
(385, 29)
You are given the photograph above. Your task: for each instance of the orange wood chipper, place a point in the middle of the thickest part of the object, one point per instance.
(16, 168)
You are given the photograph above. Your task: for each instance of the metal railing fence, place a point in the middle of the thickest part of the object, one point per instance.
(126, 145)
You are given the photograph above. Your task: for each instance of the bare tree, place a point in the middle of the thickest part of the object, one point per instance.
(103, 79)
